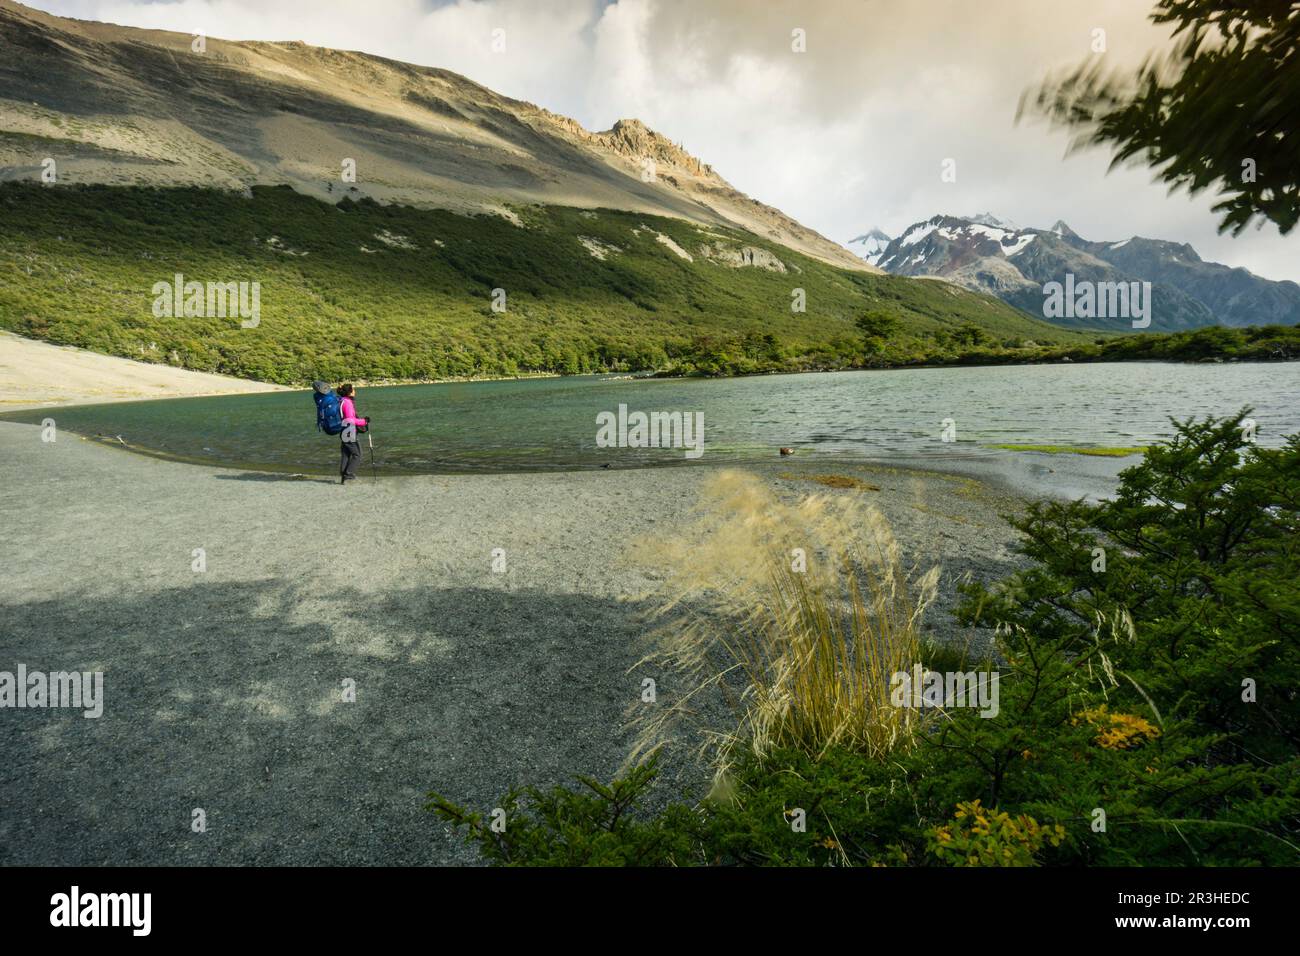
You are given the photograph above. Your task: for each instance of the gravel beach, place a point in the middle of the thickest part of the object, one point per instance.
(223, 687)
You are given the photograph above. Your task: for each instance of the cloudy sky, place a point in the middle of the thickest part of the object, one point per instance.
(850, 134)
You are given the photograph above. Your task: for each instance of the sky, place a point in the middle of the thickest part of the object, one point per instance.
(848, 134)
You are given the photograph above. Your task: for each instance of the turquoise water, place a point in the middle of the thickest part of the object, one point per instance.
(551, 424)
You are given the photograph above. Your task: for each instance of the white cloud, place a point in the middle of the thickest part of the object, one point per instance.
(846, 136)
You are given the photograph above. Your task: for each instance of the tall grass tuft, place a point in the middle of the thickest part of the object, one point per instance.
(795, 613)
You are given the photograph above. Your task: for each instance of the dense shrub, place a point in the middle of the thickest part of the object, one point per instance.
(77, 266)
(381, 292)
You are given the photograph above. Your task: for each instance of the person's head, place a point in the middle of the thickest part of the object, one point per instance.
(345, 391)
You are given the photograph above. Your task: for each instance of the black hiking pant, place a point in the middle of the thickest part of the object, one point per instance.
(351, 458)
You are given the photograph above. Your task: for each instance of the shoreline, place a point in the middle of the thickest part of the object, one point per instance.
(1026, 363)
(1023, 474)
(468, 681)
(92, 373)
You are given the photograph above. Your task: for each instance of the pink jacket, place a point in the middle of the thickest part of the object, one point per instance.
(350, 412)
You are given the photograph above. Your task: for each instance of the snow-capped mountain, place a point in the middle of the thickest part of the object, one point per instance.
(944, 243)
(988, 254)
(988, 219)
(870, 245)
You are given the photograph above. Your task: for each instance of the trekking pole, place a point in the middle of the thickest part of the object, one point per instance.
(371, 439)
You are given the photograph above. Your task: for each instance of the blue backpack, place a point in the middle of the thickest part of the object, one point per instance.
(329, 413)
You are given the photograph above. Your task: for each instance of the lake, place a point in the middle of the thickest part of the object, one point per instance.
(551, 424)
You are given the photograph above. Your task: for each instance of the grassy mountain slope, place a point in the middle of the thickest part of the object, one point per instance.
(377, 291)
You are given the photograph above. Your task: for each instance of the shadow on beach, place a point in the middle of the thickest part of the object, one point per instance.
(228, 697)
(273, 476)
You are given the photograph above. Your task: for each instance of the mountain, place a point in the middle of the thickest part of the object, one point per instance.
(482, 235)
(117, 105)
(987, 254)
(988, 219)
(968, 253)
(870, 245)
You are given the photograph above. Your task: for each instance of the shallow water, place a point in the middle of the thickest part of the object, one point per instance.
(551, 424)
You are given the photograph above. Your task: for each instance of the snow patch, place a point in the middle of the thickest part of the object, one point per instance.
(1018, 244)
(989, 232)
(917, 233)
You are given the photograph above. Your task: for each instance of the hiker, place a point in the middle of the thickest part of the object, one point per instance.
(351, 448)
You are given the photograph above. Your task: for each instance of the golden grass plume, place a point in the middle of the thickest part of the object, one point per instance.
(796, 612)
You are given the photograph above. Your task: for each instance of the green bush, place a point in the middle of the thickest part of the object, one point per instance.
(597, 826)
(380, 292)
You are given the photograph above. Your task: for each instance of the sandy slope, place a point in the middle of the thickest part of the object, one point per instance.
(222, 688)
(36, 374)
(118, 105)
